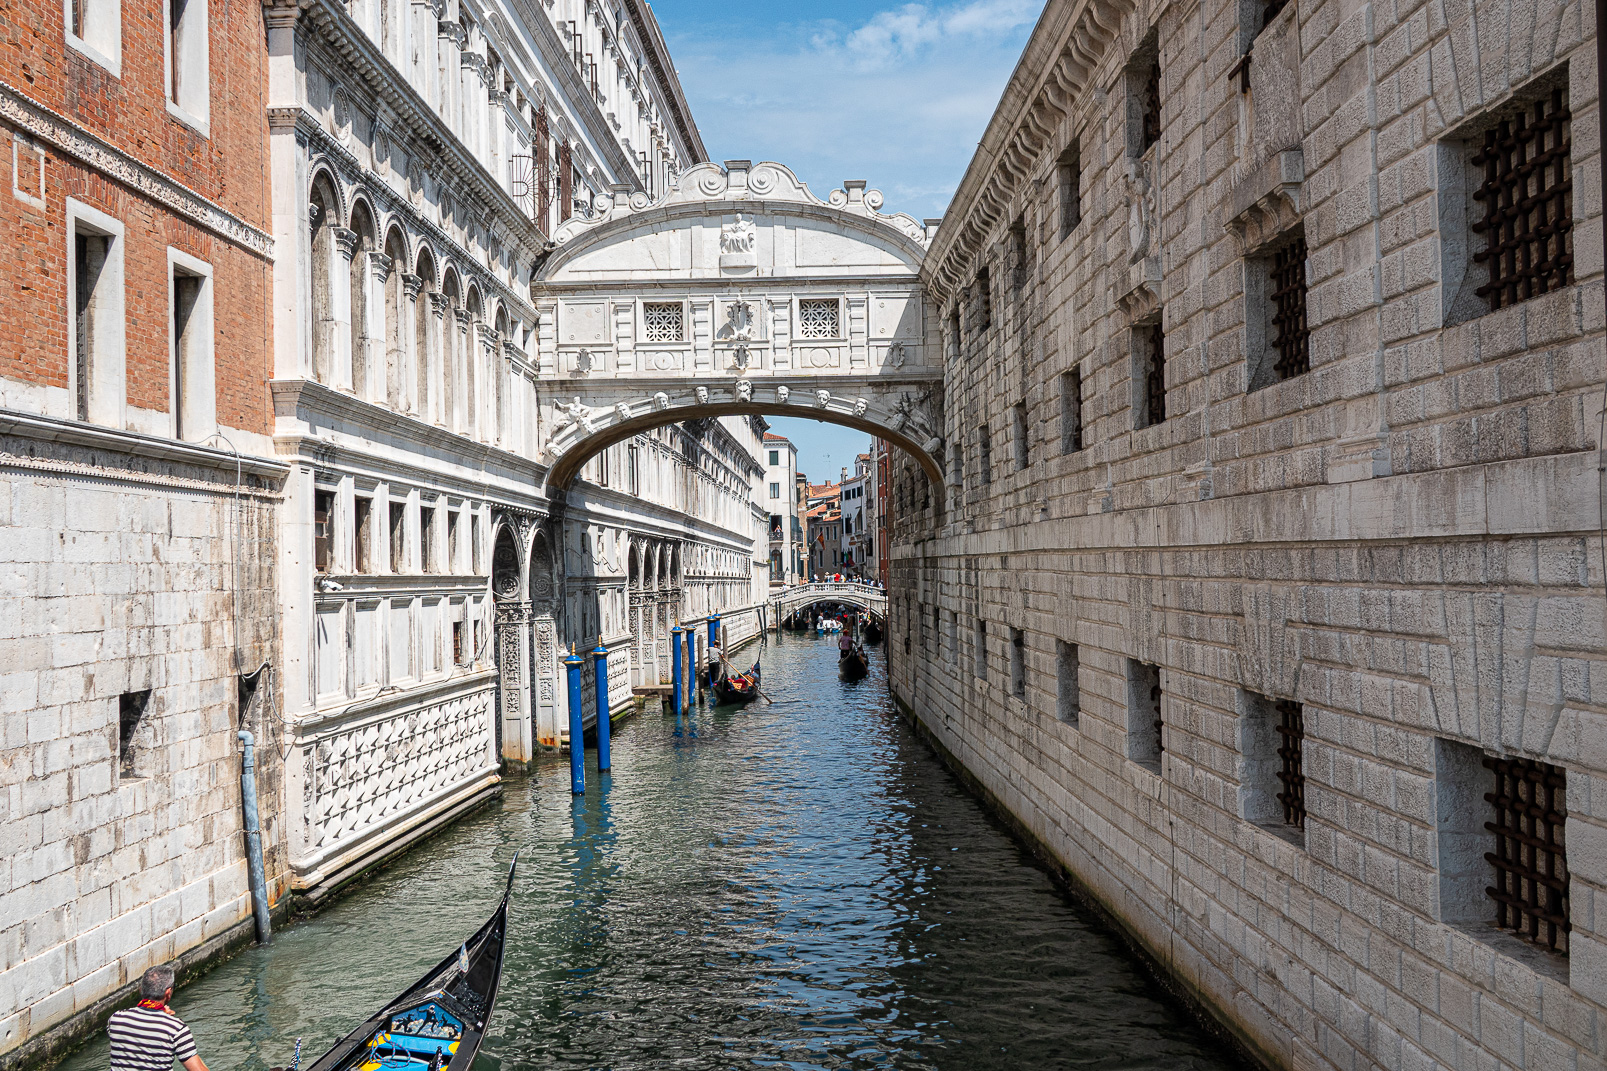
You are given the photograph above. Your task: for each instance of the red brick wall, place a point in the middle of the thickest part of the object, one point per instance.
(229, 168)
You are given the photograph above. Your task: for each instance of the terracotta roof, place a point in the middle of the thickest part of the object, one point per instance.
(772, 437)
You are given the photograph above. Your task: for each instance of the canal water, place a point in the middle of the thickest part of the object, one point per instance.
(798, 885)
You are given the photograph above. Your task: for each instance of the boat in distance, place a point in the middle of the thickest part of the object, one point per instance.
(438, 1022)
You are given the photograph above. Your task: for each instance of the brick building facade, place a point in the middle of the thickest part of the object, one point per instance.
(138, 502)
(1267, 594)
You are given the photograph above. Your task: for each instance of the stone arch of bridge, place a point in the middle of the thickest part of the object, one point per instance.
(598, 428)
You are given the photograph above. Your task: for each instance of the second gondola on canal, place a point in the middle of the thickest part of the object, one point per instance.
(438, 1022)
(853, 663)
(731, 687)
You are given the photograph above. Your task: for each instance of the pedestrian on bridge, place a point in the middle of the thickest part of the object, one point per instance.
(150, 1036)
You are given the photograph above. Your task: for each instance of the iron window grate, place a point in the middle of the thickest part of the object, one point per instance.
(1152, 105)
(1527, 194)
(1293, 340)
(1291, 748)
(1155, 709)
(1530, 857)
(1155, 376)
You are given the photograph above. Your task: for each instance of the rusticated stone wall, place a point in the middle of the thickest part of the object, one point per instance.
(1404, 540)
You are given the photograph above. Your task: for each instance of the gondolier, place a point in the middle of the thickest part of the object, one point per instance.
(150, 1036)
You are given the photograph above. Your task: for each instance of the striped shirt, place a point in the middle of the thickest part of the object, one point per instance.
(144, 1039)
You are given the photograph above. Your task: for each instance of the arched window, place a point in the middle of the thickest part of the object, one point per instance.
(365, 325)
(427, 331)
(324, 209)
(395, 318)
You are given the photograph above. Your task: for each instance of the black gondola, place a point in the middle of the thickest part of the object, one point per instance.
(736, 688)
(853, 663)
(873, 633)
(436, 1024)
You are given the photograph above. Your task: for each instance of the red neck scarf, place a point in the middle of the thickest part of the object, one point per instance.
(154, 1005)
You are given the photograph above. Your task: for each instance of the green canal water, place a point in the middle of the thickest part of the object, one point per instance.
(789, 885)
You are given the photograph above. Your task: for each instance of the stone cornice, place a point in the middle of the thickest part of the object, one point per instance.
(135, 445)
(68, 137)
(427, 128)
(652, 40)
(1072, 39)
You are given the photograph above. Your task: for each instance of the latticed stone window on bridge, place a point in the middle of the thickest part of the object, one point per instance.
(1527, 193)
(818, 318)
(662, 321)
(1530, 860)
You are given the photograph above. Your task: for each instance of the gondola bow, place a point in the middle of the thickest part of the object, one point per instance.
(437, 1023)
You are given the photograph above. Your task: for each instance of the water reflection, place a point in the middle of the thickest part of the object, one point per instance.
(796, 884)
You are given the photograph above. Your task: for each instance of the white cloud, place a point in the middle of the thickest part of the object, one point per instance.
(905, 32)
(899, 100)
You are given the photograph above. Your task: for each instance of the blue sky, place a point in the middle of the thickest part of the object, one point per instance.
(896, 94)
(893, 93)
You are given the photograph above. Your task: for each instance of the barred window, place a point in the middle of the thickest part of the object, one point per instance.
(1526, 189)
(1144, 723)
(1291, 339)
(1530, 857)
(1068, 175)
(1149, 363)
(663, 321)
(1150, 132)
(1291, 772)
(818, 318)
(1071, 412)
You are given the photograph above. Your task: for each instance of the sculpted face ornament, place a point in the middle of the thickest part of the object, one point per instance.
(822, 398)
(624, 410)
(702, 395)
(782, 394)
(860, 407)
(661, 401)
(744, 390)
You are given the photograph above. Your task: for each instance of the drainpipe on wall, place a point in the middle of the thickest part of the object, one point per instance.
(248, 801)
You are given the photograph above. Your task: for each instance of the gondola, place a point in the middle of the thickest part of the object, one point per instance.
(437, 1023)
(738, 688)
(873, 633)
(853, 664)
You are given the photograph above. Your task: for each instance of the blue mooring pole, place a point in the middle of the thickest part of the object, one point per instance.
(714, 641)
(675, 668)
(603, 725)
(577, 726)
(691, 669)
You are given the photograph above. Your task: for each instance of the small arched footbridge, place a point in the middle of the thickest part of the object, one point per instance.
(865, 596)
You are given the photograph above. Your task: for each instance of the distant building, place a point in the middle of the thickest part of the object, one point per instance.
(823, 528)
(857, 547)
(780, 497)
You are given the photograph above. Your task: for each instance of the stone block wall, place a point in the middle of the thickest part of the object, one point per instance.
(145, 581)
(1404, 540)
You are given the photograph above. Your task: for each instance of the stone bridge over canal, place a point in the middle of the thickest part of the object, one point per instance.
(867, 597)
(739, 292)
